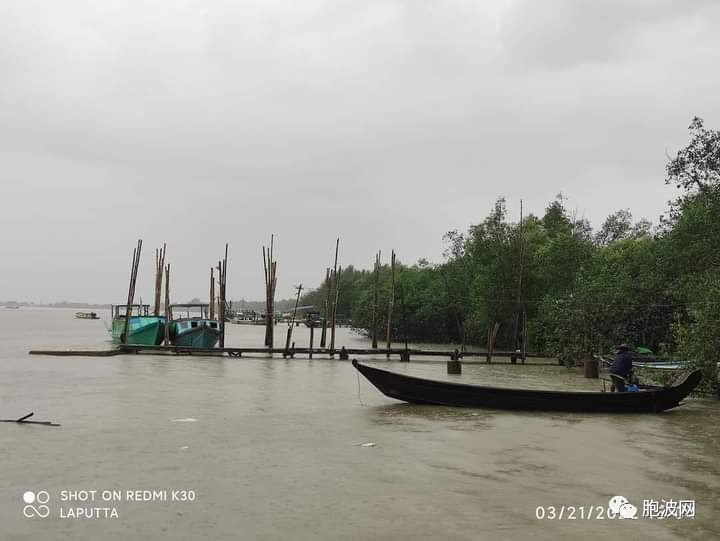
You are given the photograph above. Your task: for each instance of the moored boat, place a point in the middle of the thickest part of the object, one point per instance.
(143, 329)
(86, 315)
(195, 328)
(444, 393)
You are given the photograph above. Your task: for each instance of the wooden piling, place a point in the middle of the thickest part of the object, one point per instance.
(168, 315)
(131, 290)
(334, 296)
(520, 282)
(270, 284)
(492, 334)
(334, 311)
(523, 352)
(326, 307)
(223, 296)
(159, 269)
(212, 293)
(406, 356)
(376, 286)
(454, 366)
(292, 321)
(591, 368)
(391, 301)
(312, 337)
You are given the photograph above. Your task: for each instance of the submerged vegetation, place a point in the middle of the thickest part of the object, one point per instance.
(554, 283)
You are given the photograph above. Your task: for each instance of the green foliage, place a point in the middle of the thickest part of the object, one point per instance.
(699, 337)
(581, 291)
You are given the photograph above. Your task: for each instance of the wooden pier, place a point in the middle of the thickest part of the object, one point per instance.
(342, 353)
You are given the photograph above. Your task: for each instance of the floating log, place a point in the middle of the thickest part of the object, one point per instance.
(22, 420)
(78, 353)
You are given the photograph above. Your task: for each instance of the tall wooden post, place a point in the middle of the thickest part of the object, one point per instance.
(168, 313)
(223, 296)
(159, 268)
(376, 286)
(406, 356)
(520, 282)
(391, 302)
(334, 310)
(523, 354)
(212, 293)
(333, 297)
(292, 321)
(312, 336)
(492, 334)
(326, 308)
(270, 284)
(131, 290)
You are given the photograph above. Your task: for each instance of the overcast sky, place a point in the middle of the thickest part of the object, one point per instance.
(386, 123)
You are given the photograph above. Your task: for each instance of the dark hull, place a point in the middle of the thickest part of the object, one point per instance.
(201, 336)
(424, 391)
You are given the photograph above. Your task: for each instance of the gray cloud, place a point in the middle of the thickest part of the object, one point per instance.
(386, 123)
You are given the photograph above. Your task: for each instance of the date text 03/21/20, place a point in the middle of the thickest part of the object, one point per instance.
(572, 512)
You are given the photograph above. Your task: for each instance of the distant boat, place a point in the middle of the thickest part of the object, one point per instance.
(195, 328)
(86, 315)
(143, 328)
(313, 319)
(248, 317)
(15, 307)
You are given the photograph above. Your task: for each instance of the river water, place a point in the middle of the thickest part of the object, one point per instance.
(273, 449)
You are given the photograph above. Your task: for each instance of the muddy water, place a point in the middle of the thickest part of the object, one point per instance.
(272, 449)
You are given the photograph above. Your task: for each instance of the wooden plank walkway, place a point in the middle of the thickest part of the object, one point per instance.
(343, 353)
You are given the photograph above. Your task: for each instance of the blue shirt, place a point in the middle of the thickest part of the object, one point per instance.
(622, 364)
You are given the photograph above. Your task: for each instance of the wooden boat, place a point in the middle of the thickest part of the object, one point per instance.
(248, 317)
(143, 329)
(424, 391)
(198, 331)
(86, 315)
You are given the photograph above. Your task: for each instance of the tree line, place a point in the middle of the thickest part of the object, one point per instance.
(561, 287)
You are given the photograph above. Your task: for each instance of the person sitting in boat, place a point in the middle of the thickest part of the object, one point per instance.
(621, 368)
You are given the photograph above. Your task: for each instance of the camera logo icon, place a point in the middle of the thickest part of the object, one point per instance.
(36, 504)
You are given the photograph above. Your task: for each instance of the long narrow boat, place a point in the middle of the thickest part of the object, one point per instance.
(191, 330)
(425, 391)
(143, 329)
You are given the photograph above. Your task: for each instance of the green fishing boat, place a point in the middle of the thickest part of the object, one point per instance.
(193, 327)
(143, 329)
